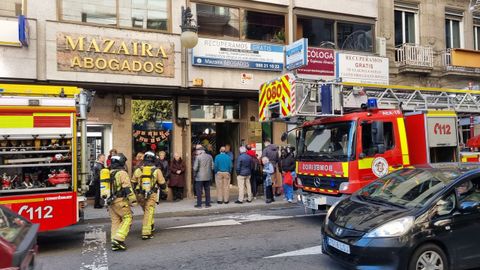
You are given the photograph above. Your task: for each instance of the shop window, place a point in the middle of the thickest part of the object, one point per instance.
(320, 32)
(263, 26)
(90, 11)
(150, 14)
(152, 127)
(218, 21)
(405, 23)
(11, 7)
(453, 29)
(354, 37)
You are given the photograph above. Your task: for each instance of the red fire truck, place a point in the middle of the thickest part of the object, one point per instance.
(40, 175)
(350, 134)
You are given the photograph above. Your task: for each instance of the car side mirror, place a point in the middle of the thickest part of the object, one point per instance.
(444, 207)
(468, 207)
(284, 136)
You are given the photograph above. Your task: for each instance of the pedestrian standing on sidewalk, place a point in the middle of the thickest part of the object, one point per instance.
(268, 171)
(97, 167)
(162, 163)
(244, 171)
(177, 177)
(254, 178)
(287, 166)
(203, 168)
(119, 207)
(138, 161)
(228, 151)
(147, 180)
(113, 152)
(271, 152)
(223, 167)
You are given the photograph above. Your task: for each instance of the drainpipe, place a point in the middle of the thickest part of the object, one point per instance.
(83, 104)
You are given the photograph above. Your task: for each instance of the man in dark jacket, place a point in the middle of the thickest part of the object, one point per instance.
(203, 169)
(271, 152)
(244, 170)
(97, 167)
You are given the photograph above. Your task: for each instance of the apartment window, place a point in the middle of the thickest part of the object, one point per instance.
(150, 14)
(453, 29)
(11, 7)
(328, 33)
(263, 26)
(90, 11)
(405, 31)
(354, 37)
(320, 32)
(220, 21)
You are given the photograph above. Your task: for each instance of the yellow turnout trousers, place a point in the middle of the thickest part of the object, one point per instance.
(148, 206)
(121, 216)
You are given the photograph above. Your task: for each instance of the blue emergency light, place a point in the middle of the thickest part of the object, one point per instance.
(372, 104)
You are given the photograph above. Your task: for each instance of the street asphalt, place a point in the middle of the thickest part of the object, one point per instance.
(280, 237)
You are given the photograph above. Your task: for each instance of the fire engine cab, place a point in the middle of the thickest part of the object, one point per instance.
(348, 134)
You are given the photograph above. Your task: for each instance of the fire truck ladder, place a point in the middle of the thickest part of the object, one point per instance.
(411, 98)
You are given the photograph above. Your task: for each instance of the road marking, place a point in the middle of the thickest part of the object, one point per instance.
(301, 252)
(94, 251)
(227, 222)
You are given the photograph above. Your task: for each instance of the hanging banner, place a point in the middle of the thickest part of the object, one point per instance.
(296, 54)
(321, 62)
(237, 54)
(362, 69)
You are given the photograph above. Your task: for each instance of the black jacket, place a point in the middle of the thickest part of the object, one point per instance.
(287, 164)
(97, 167)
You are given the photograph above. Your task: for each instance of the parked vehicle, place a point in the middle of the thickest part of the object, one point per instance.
(414, 218)
(43, 162)
(18, 241)
(350, 134)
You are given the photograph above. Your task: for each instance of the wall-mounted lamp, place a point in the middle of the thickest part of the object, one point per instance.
(119, 104)
(189, 37)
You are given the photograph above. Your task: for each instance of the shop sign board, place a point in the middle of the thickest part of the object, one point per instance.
(9, 35)
(296, 54)
(362, 68)
(237, 54)
(99, 54)
(321, 62)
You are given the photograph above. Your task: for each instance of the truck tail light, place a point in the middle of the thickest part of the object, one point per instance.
(344, 186)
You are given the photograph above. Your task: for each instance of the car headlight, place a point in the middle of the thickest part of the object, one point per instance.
(394, 228)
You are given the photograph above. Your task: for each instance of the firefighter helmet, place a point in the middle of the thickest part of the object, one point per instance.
(119, 160)
(149, 157)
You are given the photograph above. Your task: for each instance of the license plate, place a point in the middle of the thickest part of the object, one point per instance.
(338, 245)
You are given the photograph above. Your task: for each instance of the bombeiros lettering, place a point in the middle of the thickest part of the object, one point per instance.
(95, 53)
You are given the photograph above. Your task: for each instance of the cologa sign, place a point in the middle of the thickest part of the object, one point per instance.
(321, 62)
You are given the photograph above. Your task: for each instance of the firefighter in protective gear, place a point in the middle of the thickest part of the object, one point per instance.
(120, 199)
(148, 180)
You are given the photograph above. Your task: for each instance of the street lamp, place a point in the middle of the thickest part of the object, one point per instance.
(189, 37)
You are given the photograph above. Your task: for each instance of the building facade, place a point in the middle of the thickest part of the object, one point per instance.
(129, 51)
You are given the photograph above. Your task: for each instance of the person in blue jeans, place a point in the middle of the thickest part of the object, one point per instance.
(287, 167)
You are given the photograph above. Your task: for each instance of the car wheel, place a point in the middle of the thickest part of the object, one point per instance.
(429, 257)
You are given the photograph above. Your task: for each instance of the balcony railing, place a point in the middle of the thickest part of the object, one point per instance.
(447, 63)
(414, 56)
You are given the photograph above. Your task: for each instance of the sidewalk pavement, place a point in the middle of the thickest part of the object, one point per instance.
(185, 208)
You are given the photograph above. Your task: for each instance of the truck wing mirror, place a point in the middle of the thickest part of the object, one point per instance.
(377, 133)
(284, 136)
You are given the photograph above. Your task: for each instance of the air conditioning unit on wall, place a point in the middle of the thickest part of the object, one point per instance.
(381, 46)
